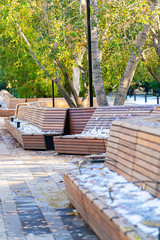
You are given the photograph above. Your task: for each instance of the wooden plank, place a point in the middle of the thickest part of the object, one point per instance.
(124, 136)
(147, 165)
(150, 137)
(148, 144)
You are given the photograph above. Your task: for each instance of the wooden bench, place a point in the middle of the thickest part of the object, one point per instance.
(104, 220)
(50, 121)
(133, 151)
(102, 118)
(11, 101)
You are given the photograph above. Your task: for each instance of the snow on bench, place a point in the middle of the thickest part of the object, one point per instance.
(37, 126)
(93, 138)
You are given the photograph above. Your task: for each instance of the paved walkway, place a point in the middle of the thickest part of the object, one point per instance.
(33, 203)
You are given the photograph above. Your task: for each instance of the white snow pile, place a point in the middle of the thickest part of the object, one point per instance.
(96, 132)
(129, 201)
(30, 129)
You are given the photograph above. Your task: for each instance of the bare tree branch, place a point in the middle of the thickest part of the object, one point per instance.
(57, 81)
(149, 68)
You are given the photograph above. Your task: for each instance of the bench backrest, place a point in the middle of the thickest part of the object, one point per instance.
(78, 118)
(47, 119)
(133, 150)
(103, 116)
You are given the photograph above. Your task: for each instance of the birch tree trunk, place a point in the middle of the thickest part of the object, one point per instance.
(156, 38)
(76, 78)
(96, 66)
(133, 61)
(76, 71)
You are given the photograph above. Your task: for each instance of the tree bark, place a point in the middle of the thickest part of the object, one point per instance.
(156, 39)
(76, 71)
(76, 77)
(131, 66)
(67, 78)
(133, 62)
(96, 66)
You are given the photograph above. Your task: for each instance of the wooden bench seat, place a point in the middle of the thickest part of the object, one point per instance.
(101, 119)
(50, 121)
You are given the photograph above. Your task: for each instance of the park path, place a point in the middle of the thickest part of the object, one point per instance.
(33, 203)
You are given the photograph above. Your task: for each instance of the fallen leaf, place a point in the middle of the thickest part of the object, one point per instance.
(133, 195)
(149, 199)
(91, 181)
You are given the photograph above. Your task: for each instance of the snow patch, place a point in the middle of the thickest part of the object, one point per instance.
(129, 201)
(96, 132)
(30, 129)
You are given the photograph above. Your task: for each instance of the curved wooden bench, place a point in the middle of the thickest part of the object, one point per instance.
(101, 118)
(51, 121)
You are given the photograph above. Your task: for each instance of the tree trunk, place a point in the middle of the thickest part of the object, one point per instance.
(96, 67)
(68, 81)
(156, 39)
(76, 79)
(133, 62)
(131, 66)
(76, 71)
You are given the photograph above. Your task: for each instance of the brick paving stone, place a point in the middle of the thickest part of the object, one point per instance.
(33, 203)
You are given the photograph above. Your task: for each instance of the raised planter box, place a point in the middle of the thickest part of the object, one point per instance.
(100, 217)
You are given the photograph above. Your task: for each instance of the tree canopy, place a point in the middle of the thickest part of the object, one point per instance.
(43, 41)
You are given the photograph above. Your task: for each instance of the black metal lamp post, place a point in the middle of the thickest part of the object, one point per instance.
(53, 93)
(89, 53)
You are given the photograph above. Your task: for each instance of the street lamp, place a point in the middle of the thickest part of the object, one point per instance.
(89, 53)
(53, 93)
